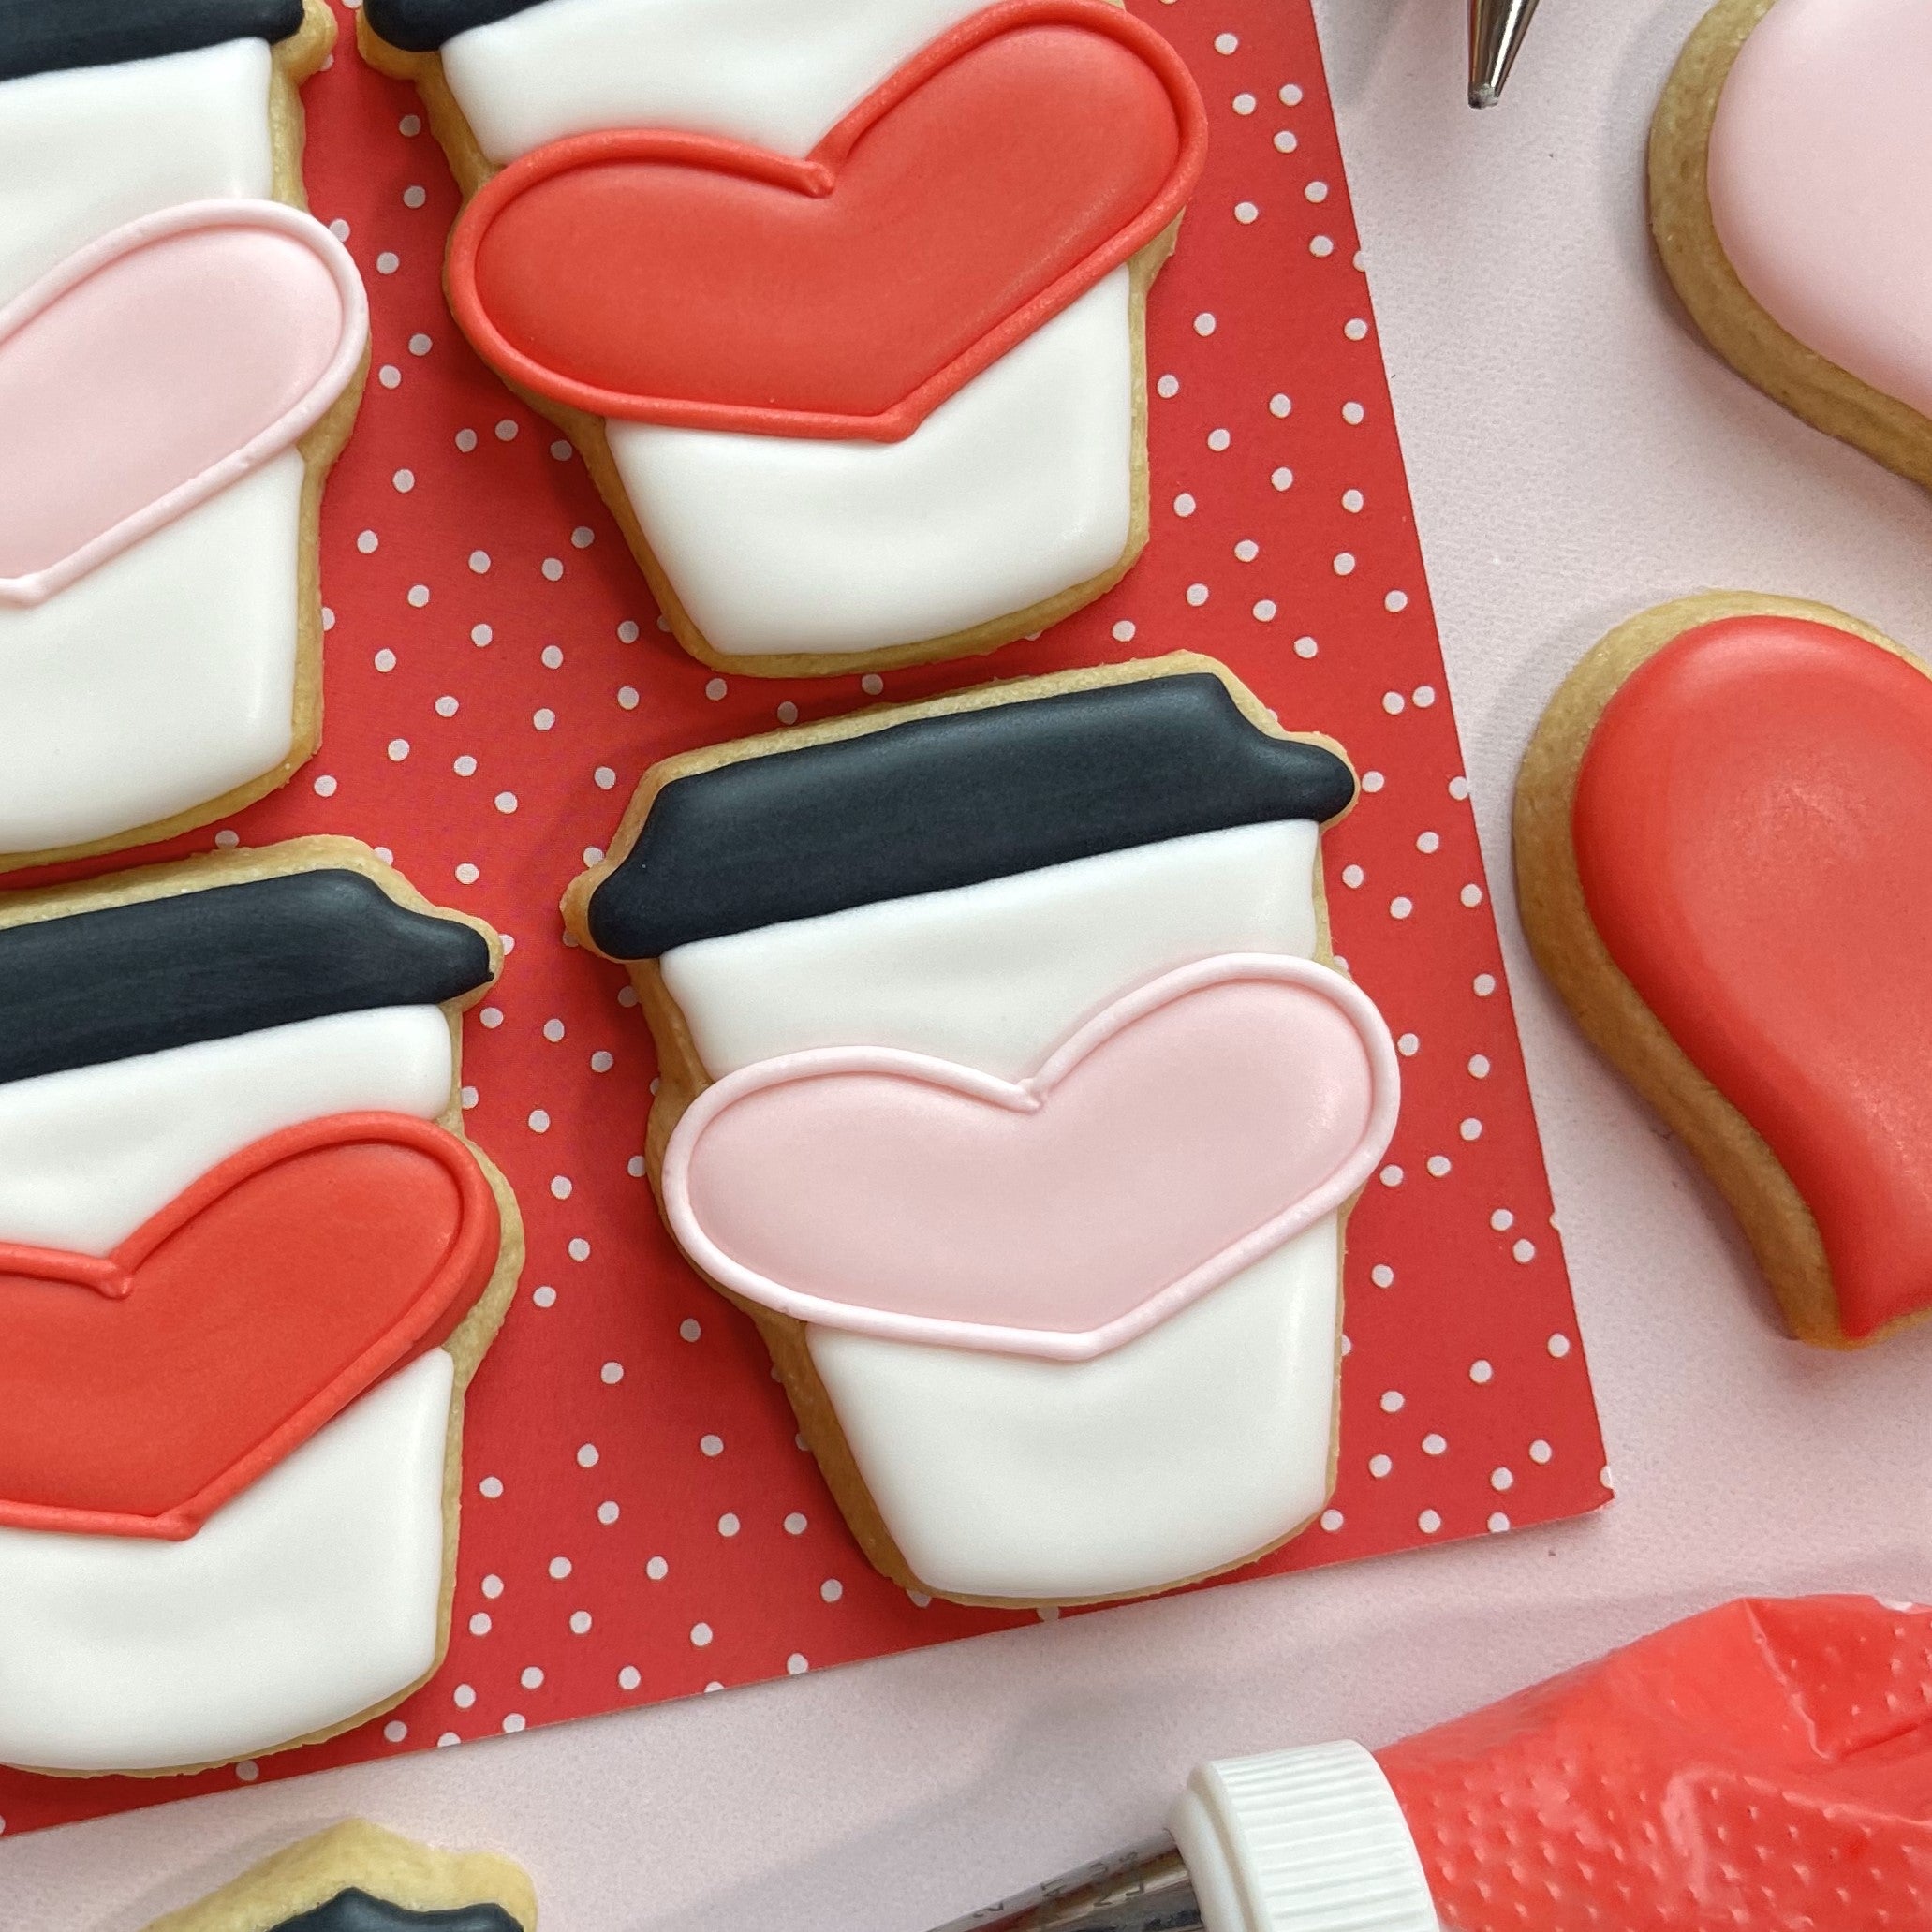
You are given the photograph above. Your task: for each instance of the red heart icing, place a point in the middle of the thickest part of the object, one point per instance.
(139, 1391)
(677, 278)
(1752, 825)
(1179, 1137)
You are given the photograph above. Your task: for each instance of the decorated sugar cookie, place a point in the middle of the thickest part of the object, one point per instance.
(359, 1878)
(248, 1264)
(1006, 1083)
(1720, 825)
(935, 440)
(1788, 176)
(182, 351)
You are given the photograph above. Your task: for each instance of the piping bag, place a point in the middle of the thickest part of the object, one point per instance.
(1764, 1767)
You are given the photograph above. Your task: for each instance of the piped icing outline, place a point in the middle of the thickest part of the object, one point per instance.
(37, 309)
(922, 805)
(423, 27)
(234, 956)
(1033, 1095)
(44, 36)
(426, 1319)
(621, 153)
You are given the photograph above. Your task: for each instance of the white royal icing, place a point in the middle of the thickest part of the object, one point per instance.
(1184, 1451)
(311, 1597)
(994, 975)
(777, 73)
(83, 151)
(88, 1153)
(1015, 488)
(1000, 1476)
(163, 679)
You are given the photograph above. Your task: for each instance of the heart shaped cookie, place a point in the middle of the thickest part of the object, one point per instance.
(139, 1390)
(680, 279)
(1722, 825)
(1182, 1134)
(1788, 178)
(156, 368)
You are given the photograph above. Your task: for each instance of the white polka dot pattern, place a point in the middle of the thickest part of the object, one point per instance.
(640, 1521)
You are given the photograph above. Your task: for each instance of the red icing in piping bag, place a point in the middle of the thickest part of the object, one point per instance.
(1766, 1767)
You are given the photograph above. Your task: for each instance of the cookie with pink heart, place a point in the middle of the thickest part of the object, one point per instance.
(1720, 829)
(843, 302)
(1008, 1084)
(1789, 177)
(182, 353)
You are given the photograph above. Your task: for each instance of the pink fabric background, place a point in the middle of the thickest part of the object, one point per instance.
(1575, 455)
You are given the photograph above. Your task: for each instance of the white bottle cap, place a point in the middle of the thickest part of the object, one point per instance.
(1307, 1841)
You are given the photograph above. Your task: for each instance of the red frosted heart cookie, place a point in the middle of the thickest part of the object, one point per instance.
(1720, 831)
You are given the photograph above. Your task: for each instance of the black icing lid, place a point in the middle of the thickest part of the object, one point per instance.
(40, 36)
(156, 973)
(357, 1911)
(421, 26)
(952, 801)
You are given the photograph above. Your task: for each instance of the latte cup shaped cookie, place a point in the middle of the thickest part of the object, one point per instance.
(1007, 1085)
(844, 304)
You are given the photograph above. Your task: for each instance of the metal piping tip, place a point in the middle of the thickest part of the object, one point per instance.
(1145, 1889)
(1496, 28)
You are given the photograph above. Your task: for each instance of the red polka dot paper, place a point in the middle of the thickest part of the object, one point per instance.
(638, 1520)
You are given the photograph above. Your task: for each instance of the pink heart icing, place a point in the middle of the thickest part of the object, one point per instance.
(1819, 174)
(156, 367)
(1177, 1137)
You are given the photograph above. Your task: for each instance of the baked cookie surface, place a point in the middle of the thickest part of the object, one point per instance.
(937, 442)
(1717, 830)
(1007, 1082)
(359, 1878)
(251, 1265)
(1788, 179)
(182, 354)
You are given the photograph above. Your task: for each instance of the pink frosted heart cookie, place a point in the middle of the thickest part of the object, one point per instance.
(1007, 1084)
(1788, 178)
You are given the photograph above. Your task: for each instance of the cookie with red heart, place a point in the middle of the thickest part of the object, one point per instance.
(1009, 1085)
(248, 1265)
(1719, 829)
(844, 305)
(1789, 177)
(358, 1877)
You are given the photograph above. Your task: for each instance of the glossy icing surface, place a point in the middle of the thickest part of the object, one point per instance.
(83, 153)
(419, 26)
(1199, 1443)
(778, 74)
(356, 1911)
(1177, 1137)
(984, 186)
(155, 973)
(1819, 176)
(937, 803)
(310, 1597)
(1749, 823)
(1017, 485)
(996, 974)
(161, 679)
(1760, 1766)
(143, 1389)
(87, 1155)
(156, 367)
(36, 36)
